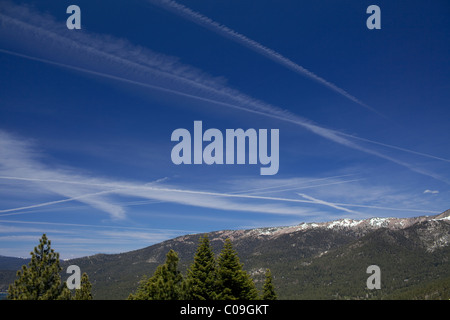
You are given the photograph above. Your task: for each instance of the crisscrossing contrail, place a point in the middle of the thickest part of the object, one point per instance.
(237, 37)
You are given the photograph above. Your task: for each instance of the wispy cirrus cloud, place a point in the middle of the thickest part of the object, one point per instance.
(20, 162)
(19, 158)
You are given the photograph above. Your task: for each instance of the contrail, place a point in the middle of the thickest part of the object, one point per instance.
(165, 75)
(148, 188)
(124, 187)
(52, 202)
(328, 204)
(266, 111)
(274, 113)
(377, 207)
(395, 147)
(94, 226)
(7, 212)
(255, 190)
(304, 187)
(225, 31)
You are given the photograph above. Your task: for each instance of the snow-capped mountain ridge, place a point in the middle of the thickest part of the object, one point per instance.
(356, 225)
(347, 225)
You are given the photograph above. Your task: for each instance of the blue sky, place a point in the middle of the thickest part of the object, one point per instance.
(86, 117)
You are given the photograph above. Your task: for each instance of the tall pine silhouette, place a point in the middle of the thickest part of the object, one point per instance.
(200, 283)
(232, 281)
(165, 284)
(268, 287)
(41, 279)
(84, 293)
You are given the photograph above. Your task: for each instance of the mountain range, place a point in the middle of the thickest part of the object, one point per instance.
(325, 260)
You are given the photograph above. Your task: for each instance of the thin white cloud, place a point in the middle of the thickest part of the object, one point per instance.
(18, 159)
(49, 203)
(395, 147)
(119, 60)
(431, 191)
(136, 236)
(280, 183)
(237, 37)
(4, 229)
(88, 226)
(326, 203)
(217, 200)
(305, 187)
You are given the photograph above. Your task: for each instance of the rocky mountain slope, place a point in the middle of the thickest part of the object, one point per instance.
(308, 261)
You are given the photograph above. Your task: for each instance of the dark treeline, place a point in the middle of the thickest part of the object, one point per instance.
(208, 278)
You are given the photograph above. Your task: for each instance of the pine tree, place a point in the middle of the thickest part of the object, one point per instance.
(233, 282)
(165, 284)
(200, 283)
(84, 293)
(269, 288)
(41, 279)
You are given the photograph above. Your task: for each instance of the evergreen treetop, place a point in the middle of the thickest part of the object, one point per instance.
(207, 278)
(84, 293)
(165, 284)
(41, 279)
(268, 287)
(233, 282)
(200, 283)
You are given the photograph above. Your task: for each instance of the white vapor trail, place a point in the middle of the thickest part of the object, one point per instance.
(146, 191)
(305, 187)
(329, 204)
(256, 190)
(44, 204)
(120, 61)
(17, 162)
(395, 147)
(96, 226)
(225, 31)
(329, 134)
(371, 207)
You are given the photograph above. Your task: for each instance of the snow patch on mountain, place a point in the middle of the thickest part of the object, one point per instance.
(349, 224)
(379, 222)
(344, 223)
